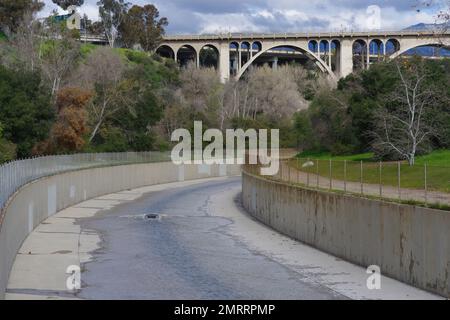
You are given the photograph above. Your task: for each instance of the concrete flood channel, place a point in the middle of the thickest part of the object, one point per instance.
(189, 240)
(167, 245)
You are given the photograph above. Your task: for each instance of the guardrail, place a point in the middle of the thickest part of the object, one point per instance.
(15, 174)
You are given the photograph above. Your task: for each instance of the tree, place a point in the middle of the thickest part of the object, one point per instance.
(103, 73)
(406, 123)
(332, 122)
(64, 4)
(26, 43)
(67, 134)
(142, 25)
(146, 108)
(304, 131)
(112, 13)
(273, 92)
(444, 17)
(95, 28)
(25, 109)
(58, 54)
(7, 149)
(12, 12)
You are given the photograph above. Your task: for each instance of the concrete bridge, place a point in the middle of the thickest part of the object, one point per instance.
(337, 54)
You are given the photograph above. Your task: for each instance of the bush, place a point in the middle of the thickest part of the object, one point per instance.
(111, 140)
(25, 109)
(67, 134)
(7, 149)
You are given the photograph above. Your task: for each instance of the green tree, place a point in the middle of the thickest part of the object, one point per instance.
(7, 149)
(25, 109)
(64, 4)
(304, 131)
(12, 12)
(142, 25)
(112, 13)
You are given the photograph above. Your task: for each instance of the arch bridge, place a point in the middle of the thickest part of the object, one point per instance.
(337, 54)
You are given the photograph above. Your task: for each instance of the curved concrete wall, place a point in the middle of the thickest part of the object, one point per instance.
(411, 244)
(42, 198)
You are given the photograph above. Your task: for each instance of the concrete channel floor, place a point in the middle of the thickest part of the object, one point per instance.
(202, 245)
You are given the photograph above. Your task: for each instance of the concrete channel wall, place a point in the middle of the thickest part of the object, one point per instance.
(37, 201)
(408, 243)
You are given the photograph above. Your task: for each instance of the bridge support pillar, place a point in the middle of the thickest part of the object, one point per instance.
(346, 58)
(240, 57)
(368, 55)
(224, 62)
(275, 63)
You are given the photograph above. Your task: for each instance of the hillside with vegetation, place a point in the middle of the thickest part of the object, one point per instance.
(59, 96)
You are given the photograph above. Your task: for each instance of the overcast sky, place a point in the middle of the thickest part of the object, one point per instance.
(213, 16)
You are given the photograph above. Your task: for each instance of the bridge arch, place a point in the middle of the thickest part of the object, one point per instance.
(360, 54)
(209, 56)
(325, 51)
(186, 54)
(245, 53)
(436, 43)
(314, 46)
(256, 46)
(377, 50)
(166, 51)
(321, 64)
(392, 46)
(376, 47)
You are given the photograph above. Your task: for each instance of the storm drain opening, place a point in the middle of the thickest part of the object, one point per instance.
(152, 216)
(145, 217)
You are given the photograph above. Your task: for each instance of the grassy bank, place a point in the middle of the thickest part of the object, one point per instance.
(350, 167)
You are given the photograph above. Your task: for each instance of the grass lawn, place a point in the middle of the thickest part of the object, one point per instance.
(438, 169)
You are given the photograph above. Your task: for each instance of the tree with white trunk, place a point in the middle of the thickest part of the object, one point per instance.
(406, 123)
(112, 14)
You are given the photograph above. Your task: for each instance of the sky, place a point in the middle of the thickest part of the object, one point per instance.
(267, 16)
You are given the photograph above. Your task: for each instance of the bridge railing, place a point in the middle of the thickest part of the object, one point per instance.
(15, 174)
(221, 36)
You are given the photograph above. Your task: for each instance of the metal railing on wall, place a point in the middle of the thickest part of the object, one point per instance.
(15, 174)
(419, 184)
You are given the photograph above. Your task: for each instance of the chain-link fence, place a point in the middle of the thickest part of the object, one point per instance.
(418, 184)
(14, 175)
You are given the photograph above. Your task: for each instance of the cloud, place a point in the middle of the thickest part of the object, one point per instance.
(212, 16)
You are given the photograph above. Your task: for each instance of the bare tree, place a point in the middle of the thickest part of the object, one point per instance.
(273, 92)
(444, 17)
(201, 92)
(27, 42)
(442, 23)
(103, 73)
(405, 123)
(59, 54)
